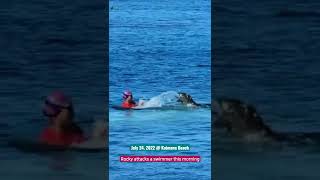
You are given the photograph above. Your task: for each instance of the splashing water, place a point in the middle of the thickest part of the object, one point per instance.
(164, 99)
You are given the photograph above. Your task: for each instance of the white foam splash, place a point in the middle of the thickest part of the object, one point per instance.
(164, 99)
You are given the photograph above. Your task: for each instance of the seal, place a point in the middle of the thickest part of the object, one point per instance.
(186, 99)
(242, 120)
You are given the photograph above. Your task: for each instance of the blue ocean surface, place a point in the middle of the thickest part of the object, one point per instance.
(266, 54)
(44, 46)
(158, 47)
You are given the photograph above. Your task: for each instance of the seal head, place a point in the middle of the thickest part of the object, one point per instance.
(241, 120)
(186, 99)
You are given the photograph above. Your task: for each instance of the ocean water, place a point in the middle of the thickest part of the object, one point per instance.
(266, 54)
(48, 45)
(156, 47)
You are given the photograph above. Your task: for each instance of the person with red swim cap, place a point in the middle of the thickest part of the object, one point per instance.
(128, 101)
(62, 130)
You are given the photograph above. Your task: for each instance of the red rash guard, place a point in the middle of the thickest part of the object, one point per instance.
(128, 105)
(50, 136)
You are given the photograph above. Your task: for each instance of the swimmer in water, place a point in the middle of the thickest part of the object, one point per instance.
(128, 101)
(62, 129)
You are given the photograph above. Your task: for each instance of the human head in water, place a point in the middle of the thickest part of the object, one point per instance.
(62, 129)
(59, 109)
(128, 101)
(127, 95)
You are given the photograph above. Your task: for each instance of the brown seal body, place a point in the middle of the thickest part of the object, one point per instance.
(242, 120)
(186, 99)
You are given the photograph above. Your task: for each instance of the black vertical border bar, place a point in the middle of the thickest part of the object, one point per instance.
(107, 84)
(212, 87)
